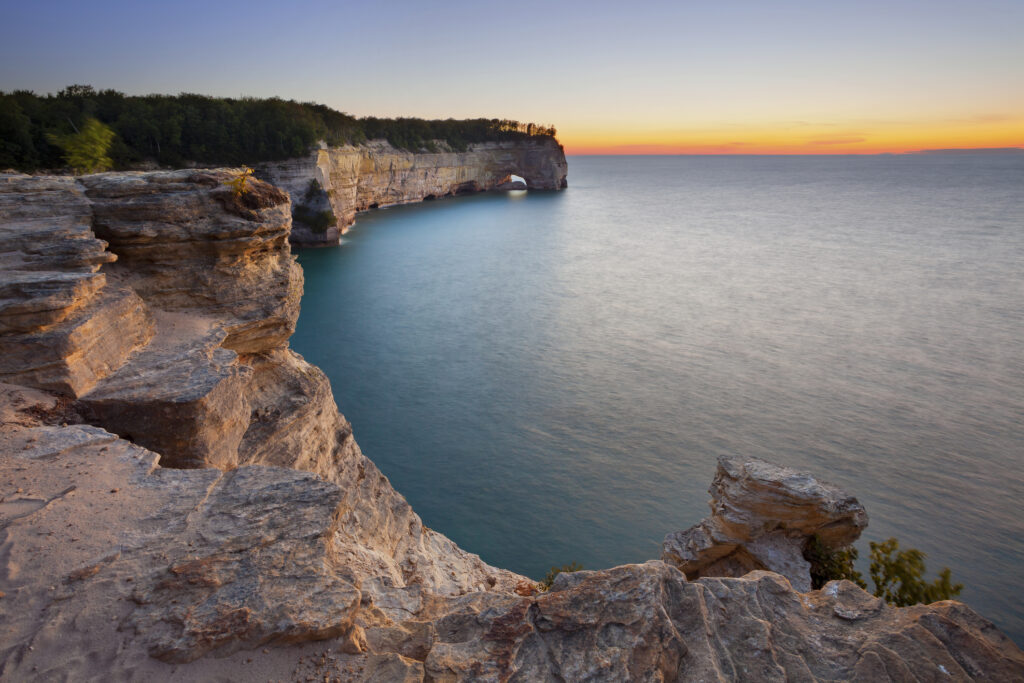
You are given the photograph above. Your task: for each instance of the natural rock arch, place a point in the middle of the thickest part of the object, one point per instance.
(513, 181)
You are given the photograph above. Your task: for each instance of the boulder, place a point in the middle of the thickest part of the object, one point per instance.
(762, 517)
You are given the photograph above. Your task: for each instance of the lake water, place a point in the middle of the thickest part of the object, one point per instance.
(550, 377)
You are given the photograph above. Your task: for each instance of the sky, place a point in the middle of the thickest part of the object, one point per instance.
(732, 76)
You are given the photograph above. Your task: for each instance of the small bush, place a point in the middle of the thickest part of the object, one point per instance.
(313, 191)
(237, 183)
(86, 150)
(549, 578)
(898, 575)
(831, 565)
(317, 221)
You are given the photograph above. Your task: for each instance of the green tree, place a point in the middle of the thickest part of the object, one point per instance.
(86, 150)
(16, 148)
(899, 576)
(175, 129)
(831, 565)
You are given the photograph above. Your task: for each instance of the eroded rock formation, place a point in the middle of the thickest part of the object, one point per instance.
(376, 174)
(181, 500)
(762, 517)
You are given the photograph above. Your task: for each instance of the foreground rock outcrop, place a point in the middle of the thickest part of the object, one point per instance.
(375, 174)
(198, 368)
(181, 500)
(762, 517)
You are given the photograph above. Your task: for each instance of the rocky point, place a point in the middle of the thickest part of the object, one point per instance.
(375, 174)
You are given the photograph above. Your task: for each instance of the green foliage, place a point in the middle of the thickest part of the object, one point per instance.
(898, 575)
(16, 144)
(318, 221)
(831, 565)
(86, 150)
(549, 578)
(237, 183)
(174, 129)
(313, 191)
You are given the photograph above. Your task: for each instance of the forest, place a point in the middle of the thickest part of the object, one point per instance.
(174, 130)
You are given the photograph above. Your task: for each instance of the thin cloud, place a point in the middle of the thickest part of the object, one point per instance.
(838, 141)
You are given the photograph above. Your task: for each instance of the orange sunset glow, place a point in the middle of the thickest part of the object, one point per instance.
(742, 77)
(803, 138)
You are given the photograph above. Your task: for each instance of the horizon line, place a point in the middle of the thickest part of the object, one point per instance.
(994, 151)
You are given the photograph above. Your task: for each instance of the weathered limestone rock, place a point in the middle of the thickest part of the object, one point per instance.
(256, 566)
(183, 396)
(648, 623)
(762, 517)
(45, 224)
(185, 242)
(90, 344)
(376, 174)
(292, 420)
(57, 314)
(34, 300)
(169, 563)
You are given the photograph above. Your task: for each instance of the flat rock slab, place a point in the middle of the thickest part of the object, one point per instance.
(155, 562)
(70, 357)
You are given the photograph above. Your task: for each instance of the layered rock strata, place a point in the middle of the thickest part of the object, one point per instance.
(199, 510)
(762, 517)
(376, 174)
(63, 325)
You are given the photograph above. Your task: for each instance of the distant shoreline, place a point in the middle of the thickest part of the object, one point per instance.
(974, 150)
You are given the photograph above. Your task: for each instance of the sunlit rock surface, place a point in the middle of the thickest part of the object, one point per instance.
(376, 174)
(181, 500)
(63, 325)
(762, 517)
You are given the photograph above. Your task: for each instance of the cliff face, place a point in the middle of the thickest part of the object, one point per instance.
(376, 175)
(175, 482)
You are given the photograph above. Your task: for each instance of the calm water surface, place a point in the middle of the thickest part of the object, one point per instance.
(550, 377)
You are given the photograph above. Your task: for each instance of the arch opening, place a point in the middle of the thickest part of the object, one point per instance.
(512, 182)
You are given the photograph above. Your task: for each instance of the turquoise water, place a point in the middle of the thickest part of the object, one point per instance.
(549, 377)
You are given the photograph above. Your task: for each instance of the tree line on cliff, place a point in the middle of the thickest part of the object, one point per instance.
(173, 130)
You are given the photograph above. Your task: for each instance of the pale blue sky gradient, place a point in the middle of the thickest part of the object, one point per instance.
(586, 67)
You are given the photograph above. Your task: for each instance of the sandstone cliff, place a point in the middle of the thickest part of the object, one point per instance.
(376, 175)
(181, 500)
